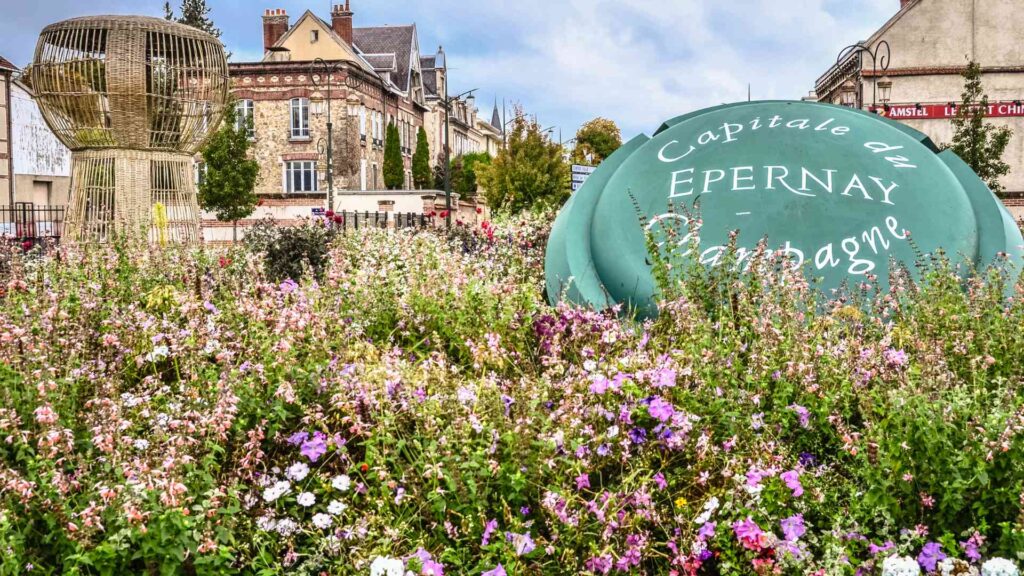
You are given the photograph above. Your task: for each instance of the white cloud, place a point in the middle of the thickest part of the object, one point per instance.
(643, 61)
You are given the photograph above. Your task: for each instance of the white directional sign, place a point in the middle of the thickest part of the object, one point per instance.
(580, 173)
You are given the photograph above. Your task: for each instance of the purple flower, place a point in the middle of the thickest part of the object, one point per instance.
(808, 460)
(748, 533)
(430, 567)
(803, 414)
(489, 529)
(603, 450)
(525, 510)
(522, 543)
(793, 528)
(638, 435)
(757, 421)
(930, 556)
(895, 357)
(875, 550)
(660, 410)
(659, 479)
(600, 564)
(666, 378)
(288, 286)
(314, 447)
(599, 385)
(707, 531)
(972, 547)
(298, 438)
(792, 480)
(582, 481)
(754, 477)
(498, 571)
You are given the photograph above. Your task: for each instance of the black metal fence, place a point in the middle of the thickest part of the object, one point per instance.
(26, 222)
(356, 220)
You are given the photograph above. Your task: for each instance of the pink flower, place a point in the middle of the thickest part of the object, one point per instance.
(498, 571)
(750, 534)
(792, 480)
(660, 410)
(314, 447)
(582, 481)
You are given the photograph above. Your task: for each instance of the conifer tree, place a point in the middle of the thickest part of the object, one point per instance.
(421, 174)
(394, 177)
(978, 143)
(194, 13)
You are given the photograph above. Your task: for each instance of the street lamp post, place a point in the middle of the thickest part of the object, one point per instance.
(321, 72)
(448, 101)
(880, 58)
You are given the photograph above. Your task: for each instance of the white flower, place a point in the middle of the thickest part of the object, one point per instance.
(341, 483)
(158, 353)
(954, 567)
(279, 489)
(297, 471)
(306, 499)
(266, 523)
(141, 444)
(384, 566)
(322, 521)
(287, 526)
(999, 567)
(613, 432)
(465, 395)
(336, 507)
(900, 566)
(709, 508)
(590, 365)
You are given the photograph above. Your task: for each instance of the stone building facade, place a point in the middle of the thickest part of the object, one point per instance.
(377, 80)
(35, 167)
(931, 43)
(6, 161)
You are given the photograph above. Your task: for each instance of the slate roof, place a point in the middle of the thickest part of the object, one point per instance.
(395, 40)
(496, 118)
(381, 61)
(5, 64)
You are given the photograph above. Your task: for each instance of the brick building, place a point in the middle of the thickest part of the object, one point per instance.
(931, 42)
(379, 81)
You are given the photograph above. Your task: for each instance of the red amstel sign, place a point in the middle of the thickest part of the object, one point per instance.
(945, 111)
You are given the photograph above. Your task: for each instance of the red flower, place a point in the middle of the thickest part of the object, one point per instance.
(432, 213)
(444, 214)
(224, 262)
(479, 210)
(338, 219)
(329, 214)
(26, 245)
(364, 468)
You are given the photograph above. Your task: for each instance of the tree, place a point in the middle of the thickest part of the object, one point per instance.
(394, 169)
(421, 175)
(528, 173)
(228, 186)
(595, 141)
(194, 13)
(980, 144)
(466, 184)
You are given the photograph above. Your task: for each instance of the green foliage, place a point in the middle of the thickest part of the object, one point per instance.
(980, 144)
(529, 173)
(595, 141)
(465, 183)
(289, 252)
(441, 395)
(394, 167)
(421, 174)
(228, 187)
(194, 13)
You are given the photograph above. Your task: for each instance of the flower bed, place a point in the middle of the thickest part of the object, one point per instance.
(419, 409)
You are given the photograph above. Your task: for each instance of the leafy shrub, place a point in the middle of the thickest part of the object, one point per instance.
(289, 251)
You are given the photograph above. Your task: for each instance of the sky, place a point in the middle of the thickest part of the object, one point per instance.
(637, 62)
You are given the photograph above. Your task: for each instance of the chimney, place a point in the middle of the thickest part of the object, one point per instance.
(903, 3)
(341, 21)
(275, 25)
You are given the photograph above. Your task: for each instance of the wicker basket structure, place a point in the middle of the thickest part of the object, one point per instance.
(134, 98)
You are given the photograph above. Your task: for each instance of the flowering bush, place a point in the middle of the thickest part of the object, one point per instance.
(418, 408)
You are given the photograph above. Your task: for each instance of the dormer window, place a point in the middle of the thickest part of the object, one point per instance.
(314, 36)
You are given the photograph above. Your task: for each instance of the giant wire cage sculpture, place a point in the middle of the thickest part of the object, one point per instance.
(134, 98)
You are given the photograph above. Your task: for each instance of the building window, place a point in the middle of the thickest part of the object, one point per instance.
(362, 174)
(314, 36)
(375, 177)
(300, 176)
(300, 118)
(362, 125)
(244, 118)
